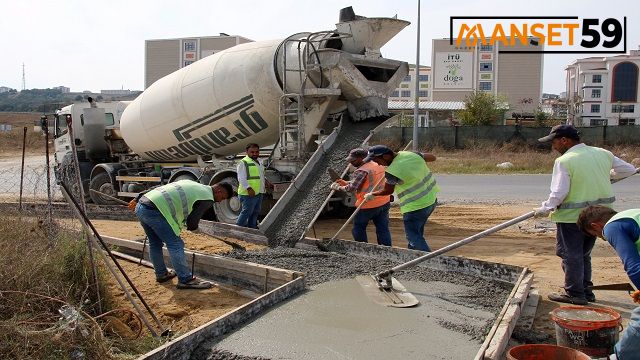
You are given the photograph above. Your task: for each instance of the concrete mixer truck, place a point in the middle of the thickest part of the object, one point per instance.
(191, 123)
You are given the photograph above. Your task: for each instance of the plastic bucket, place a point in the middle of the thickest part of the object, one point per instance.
(591, 330)
(545, 352)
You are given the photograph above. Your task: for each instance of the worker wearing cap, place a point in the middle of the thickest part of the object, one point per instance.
(251, 186)
(581, 177)
(409, 176)
(364, 181)
(164, 211)
(622, 231)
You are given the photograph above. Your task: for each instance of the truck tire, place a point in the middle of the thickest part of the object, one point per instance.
(102, 183)
(227, 211)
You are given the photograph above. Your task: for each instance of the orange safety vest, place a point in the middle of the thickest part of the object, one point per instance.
(374, 172)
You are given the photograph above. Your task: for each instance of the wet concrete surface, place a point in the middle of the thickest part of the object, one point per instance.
(336, 320)
(287, 229)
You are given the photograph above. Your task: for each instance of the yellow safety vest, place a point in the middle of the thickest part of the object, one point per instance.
(253, 176)
(419, 188)
(175, 200)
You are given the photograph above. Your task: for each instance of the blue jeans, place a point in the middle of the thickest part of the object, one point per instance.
(250, 210)
(629, 345)
(414, 222)
(574, 248)
(158, 231)
(380, 217)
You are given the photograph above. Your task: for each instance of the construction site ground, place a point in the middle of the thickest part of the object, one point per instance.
(531, 244)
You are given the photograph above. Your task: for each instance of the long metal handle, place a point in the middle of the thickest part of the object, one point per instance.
(355, 212)
(457, 244)
(616, 180)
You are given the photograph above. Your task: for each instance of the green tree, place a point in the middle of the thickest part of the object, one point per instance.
(481, 108)
(541, 117)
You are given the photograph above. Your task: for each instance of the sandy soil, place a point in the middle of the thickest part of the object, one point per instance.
(179, 310)
(531, 244)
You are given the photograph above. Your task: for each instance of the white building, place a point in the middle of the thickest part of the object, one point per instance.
(4, 89)
(63, 89)
(604, 90)
(407, 88)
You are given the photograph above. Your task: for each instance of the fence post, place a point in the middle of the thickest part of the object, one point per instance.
(455, 137)
(604, 134)
(24, 145)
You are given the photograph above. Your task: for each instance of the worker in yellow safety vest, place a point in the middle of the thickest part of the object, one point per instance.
(251, 187)
(363, 181)
(164, 211)
(409, 176)
(581, 177)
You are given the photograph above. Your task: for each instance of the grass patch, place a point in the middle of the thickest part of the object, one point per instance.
(39, 279)
(11, 141)
(482, 158)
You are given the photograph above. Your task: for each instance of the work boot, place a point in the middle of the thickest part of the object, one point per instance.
(591, 297)
(565, 298)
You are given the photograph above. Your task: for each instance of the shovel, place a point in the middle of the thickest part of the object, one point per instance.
(385, 290)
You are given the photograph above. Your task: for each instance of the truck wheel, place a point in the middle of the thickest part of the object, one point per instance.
(102, 183)
(228, 210)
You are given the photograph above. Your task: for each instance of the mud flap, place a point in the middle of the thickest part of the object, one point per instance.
(396, 296)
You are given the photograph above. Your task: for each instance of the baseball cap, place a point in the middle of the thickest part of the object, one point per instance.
(377, 151)
(357, 153)
(559, 131)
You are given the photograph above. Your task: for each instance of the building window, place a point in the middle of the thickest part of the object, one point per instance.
(423, 93)
(189, 46)
(595, 108)
(486, 66)
(405, 93)
(187, 63)
(396, 93)
(407, 78)
(486, 47)
(485, 85)
(595, 93)
(598, 122)
(404, 86)
(424, 86)
(423, 77)
(623, 108)
(625, 82)
(596, 79)
(627, 122)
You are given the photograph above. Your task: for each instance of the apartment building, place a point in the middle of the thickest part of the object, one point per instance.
(164, 56)
(460, 70)
(604, 90)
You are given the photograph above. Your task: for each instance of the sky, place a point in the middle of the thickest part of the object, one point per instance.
(99, 45)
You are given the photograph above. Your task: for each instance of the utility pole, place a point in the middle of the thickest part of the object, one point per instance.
(417, 75)
(24, 82)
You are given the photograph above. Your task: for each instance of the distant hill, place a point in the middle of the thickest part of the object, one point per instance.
(48, 100)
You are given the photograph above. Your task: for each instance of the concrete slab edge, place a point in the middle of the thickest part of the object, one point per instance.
(182, 347)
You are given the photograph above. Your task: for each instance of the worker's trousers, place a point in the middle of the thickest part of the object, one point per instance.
(380, 217)
(158, 231)
(250, 210)
(414, 222)
(629, 345)
(574, 248)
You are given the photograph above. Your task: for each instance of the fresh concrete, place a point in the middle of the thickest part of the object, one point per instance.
(336, 320)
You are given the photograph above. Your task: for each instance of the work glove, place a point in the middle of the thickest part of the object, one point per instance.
(132, 205)
(369, 196)
(334, 186)
(636, 296)
(342, 182)
(541, 212)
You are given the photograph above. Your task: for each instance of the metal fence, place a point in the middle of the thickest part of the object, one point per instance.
(463, 136)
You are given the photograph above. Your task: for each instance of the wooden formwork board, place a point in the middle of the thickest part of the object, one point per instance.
(257, 278)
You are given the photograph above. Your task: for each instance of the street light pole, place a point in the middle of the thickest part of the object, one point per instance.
(416, 97)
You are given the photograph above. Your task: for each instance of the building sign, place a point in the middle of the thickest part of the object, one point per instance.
(486, 56)
(453, 70)
(189, 52)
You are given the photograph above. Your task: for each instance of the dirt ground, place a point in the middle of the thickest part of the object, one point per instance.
(531, 244)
